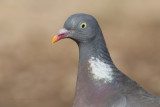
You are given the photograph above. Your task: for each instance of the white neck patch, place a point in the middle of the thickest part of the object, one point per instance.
(100, 70)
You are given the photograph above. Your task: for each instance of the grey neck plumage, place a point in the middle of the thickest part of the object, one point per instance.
(87, 86)
(97, 48)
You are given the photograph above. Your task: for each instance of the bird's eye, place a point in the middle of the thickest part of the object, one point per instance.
(83, 25)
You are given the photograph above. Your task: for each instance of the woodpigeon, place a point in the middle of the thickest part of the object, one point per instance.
(99, 82)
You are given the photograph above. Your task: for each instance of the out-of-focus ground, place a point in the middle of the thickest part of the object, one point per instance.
(36, 73)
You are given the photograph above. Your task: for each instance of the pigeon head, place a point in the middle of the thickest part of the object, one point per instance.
(79, 27)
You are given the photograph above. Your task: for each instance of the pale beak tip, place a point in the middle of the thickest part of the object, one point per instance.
(54, 39)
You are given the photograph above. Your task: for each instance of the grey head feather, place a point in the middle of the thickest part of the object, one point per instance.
(82, 35)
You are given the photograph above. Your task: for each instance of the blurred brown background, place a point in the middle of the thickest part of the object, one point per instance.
(36, 73)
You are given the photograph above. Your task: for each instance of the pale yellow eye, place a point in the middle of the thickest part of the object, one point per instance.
(83, 25)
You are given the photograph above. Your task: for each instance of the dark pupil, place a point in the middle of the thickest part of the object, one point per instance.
(83, 25)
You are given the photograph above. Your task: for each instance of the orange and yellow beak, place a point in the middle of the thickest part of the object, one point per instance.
(62, 33)
(55, 38)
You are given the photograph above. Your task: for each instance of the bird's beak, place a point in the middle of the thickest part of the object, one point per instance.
(62, 33)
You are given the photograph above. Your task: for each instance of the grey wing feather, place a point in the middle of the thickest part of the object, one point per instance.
(117, 101)
(122, 102)
(135, 100)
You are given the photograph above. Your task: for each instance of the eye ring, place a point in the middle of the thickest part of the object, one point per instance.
(83, 25)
